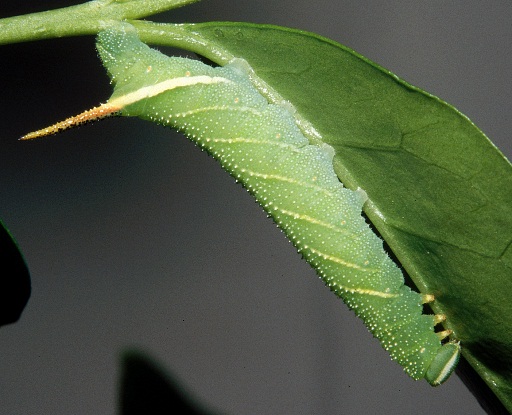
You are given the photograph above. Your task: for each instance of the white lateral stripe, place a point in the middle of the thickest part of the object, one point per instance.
(167, 85)
(370, 292)
(339, 260)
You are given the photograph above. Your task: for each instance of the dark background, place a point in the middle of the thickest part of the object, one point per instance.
(135, 238)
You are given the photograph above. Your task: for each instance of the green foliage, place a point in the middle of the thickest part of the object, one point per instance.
(439, 190)
(14, 279)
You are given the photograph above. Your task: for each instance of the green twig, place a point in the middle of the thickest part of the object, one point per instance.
(180, 36)
(84, 19)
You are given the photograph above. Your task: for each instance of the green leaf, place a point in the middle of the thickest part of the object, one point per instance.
(440, 191)
(14, 279)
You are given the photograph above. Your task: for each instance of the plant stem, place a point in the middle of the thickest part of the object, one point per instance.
(83, 19)
(180, 36)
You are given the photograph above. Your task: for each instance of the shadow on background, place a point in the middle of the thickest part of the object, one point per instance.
(146, 389)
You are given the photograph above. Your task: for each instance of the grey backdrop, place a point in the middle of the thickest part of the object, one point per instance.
(136, 239)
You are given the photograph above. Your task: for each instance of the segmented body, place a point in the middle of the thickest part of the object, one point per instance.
(261, 146)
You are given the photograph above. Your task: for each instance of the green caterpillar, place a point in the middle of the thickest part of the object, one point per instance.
(261, 145)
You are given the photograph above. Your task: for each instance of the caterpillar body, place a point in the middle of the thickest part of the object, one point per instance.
(260, 144)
